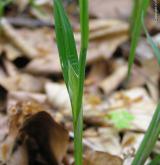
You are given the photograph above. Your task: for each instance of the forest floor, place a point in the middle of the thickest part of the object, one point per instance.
(116, 112)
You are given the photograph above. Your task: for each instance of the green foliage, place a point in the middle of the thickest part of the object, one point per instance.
(121, 118)
(156, 50)
(153, 130)
(136, 26)
(3, 4)
(73, 67)
(134, 13)
(155, 161)
(149, 139)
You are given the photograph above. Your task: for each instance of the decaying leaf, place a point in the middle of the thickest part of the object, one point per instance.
(23, 82)
(22, 96)
(112, 82)
(17, 40)
(104, 139)
(50, 65)
(111, 8)
(27, 141)
(102, 158)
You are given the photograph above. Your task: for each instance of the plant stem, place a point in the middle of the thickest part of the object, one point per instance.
(78, 123)
(149, 140)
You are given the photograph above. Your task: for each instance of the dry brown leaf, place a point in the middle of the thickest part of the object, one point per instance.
(17, 40)
(102, 158)
(98, 71)
(50, 65)
(23, 82)
(112, 82)
(104, 139)
(21, 96)
(28, 121)
(136, 101)
(110, 8)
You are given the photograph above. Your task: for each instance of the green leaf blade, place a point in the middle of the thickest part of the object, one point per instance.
(73, 90)
(65, 40)
(149, 139)
(156, 50)
(136, 30)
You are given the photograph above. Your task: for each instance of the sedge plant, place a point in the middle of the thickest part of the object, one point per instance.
(136, 26)
(153, 130)
(73, 66)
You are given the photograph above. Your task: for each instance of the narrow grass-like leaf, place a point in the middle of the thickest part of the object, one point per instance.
(136, 4)
(149, 140)
(72, 67)
(156, 50)
(78, 145)
(84, 19)
(73, 79)
(65, 40)
(136, 30)
(155, 161)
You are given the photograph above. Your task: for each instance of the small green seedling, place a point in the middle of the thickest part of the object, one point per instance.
(121, 118)
(73, 66)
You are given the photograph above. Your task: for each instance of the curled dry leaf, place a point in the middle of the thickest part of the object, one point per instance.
(105, 37)
(11, 51)
(114, 28)
(50, 65)
(17, 40)
(23, 82)
(100, 68)
(27, 141)
(7, 68)
(112, 82)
